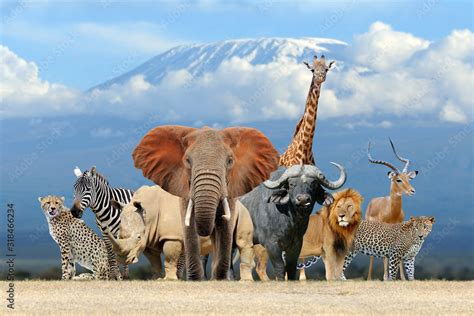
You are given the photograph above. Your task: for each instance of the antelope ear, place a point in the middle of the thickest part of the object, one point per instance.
(391, 174)
(255, 159)
(160, 157)
(412, 174)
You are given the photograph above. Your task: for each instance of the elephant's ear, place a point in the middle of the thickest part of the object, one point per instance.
(160, 157)
(255, 159)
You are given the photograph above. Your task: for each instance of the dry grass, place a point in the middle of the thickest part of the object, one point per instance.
(161, 297)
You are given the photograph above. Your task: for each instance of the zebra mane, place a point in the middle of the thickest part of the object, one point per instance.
(97, 174)
(101, 177)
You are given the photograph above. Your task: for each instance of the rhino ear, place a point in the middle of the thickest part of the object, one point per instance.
(140, 210)
(138, 205)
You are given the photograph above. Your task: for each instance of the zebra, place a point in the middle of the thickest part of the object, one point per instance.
(93, 190)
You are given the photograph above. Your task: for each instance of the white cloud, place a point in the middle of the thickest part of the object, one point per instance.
(382, 48)
(24, 94)
(413, 79)
(451, 113)
(383, 124)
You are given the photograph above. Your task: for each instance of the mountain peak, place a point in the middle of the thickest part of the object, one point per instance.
(198, 59)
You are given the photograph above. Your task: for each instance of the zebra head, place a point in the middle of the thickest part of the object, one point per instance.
(84, 191)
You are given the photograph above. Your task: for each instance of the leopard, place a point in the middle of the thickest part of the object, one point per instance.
(397, 242)
(77, 242)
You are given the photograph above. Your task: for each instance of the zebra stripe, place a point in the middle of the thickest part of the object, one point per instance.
(93, 191)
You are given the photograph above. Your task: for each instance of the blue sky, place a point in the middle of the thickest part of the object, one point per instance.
(78, 43)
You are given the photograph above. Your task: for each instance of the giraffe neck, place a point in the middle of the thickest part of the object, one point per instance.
(305, 133)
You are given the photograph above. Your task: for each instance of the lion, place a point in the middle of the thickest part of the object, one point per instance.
(331, 232)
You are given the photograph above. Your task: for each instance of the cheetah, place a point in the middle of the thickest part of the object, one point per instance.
(77, 242)
(398, 242)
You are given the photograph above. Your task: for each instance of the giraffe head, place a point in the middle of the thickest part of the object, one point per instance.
(319, 69)
(400, 180)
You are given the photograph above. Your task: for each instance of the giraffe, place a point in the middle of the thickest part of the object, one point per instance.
(300, 150)
(388, 209)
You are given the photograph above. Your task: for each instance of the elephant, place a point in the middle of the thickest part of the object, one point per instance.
(208, 169)
(151, 224)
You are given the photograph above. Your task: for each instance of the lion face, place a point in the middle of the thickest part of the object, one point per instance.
(346, 209)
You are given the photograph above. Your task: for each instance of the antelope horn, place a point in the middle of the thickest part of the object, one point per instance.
(187, 218)
(226, 215)
(77, 172)
(314, 172)
(405, 160)
(380, 162)
(293, 171)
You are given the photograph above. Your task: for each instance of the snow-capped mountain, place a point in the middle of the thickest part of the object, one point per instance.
(198, 59)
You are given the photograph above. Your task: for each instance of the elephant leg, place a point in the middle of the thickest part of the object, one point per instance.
(154, 257)
(231, 274)
(222, 240)
(172, 250)
(205, 260)
(261, 257)
(181, 267)
(192, 250)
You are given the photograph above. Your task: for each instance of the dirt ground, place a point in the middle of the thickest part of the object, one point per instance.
(264, 298)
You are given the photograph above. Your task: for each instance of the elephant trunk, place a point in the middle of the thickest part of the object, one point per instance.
(207, 192)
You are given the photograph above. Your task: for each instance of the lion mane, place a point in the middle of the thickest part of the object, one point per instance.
(344, 235)
(325, 236)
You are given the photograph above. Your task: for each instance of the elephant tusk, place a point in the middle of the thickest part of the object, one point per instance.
(187, 218)
(226, 215)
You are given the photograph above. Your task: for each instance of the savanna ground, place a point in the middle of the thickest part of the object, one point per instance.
(265, 298)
